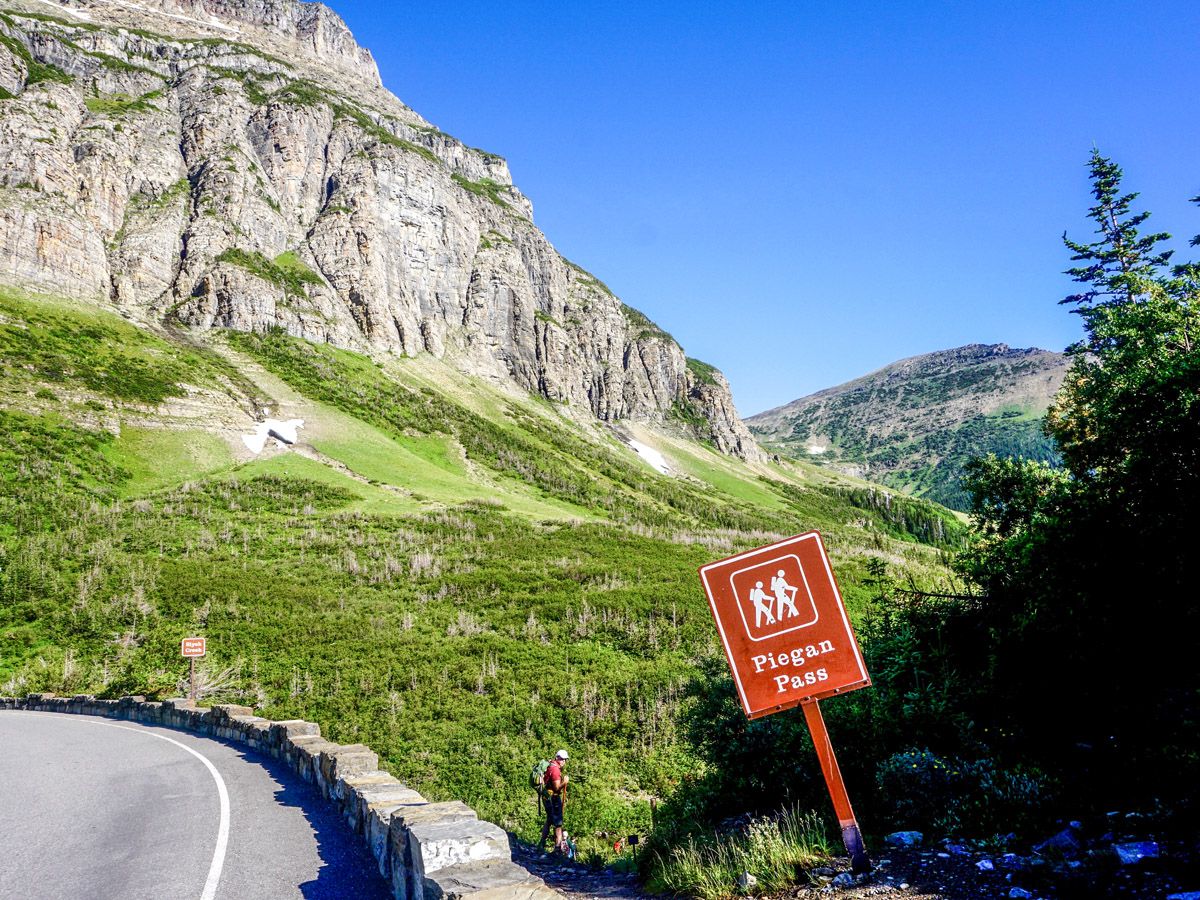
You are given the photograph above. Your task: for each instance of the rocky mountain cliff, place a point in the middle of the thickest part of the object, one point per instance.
(238, 164)
(913, 423)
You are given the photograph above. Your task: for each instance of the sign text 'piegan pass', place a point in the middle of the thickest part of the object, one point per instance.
(783, 625)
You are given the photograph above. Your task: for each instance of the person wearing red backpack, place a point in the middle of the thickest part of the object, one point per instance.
(554, 790)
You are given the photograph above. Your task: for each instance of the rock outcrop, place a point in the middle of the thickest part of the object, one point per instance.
(237, 164)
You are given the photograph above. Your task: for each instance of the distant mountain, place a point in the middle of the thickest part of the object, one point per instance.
(913, 424)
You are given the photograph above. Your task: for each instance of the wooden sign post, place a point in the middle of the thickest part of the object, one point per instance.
(789, 643)
(191, 648)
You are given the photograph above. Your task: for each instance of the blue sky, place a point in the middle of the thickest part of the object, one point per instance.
(803, 192)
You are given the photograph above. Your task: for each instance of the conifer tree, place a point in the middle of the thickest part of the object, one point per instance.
(1110, 421)
(1089, 575)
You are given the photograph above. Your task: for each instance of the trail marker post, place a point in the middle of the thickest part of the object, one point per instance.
(191, 648)
(789, 643)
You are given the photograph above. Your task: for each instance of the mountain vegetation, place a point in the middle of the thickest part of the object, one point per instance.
(443, 570)
(460, 556)
(1062, 679)
(914, 424)
(469, 554)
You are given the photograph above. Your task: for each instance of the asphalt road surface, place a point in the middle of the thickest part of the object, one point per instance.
(109, 810)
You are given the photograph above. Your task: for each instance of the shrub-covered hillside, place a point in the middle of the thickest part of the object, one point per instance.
(916, 423)
(461, 578)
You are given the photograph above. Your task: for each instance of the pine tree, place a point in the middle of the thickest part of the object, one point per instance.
(1139, 326)
(1122, 265)
(1089, 576)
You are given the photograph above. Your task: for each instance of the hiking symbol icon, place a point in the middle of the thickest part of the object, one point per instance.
(774, 612)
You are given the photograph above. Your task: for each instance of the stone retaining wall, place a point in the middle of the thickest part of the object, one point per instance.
(425, 850)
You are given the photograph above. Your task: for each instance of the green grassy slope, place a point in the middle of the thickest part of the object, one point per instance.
(461, 579)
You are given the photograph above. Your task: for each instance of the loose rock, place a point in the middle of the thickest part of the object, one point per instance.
(1135, 852)
(904, 839)
(1066, 843)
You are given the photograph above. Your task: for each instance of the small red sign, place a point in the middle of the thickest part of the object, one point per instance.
(783, 625)
(192, 646)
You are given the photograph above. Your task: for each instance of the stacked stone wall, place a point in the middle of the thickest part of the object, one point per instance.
(425, 850)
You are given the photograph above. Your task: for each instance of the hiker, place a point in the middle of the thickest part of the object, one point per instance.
(554, 790)
(762, 605)
(780, 588)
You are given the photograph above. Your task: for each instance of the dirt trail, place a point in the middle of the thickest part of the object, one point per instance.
(575, 880)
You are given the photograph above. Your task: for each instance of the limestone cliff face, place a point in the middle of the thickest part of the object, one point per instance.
(237, 164)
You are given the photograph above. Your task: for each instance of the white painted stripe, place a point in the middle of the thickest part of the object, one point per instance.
(218, 860)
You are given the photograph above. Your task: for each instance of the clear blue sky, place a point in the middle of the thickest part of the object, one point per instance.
(803, 192)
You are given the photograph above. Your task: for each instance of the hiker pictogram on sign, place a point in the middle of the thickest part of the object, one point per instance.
(786, 604)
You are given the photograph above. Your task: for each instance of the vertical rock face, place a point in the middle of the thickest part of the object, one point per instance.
(237, 164)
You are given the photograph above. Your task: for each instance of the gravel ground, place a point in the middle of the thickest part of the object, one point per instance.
(935, 873)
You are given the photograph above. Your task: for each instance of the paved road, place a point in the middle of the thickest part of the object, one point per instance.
(109, 810)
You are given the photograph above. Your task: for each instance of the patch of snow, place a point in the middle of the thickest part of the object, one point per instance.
(656, 460)
(78, 14)
(816, 449)
(284, 433)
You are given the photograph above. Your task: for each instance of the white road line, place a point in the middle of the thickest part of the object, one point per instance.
(218, 860)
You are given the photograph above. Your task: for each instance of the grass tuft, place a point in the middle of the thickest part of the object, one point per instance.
(776, 851)
(286, 271)
(484, 187)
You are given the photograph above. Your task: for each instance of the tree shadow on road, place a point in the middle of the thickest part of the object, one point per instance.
(348, 870)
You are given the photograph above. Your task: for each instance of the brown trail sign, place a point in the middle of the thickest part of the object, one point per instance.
(789, 642)
(192, 648)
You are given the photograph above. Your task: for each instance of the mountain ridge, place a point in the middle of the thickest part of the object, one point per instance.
(911, 424)
(191, 176)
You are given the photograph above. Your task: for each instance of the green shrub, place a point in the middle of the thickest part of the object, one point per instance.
(484, 187)
(702, 371)
(48, 343)
(37, 71)
(587, 279)
(121, 104)
(640, 324)
(953, 796)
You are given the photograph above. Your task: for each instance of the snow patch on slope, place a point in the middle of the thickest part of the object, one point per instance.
(654, 459)
(284, 433)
